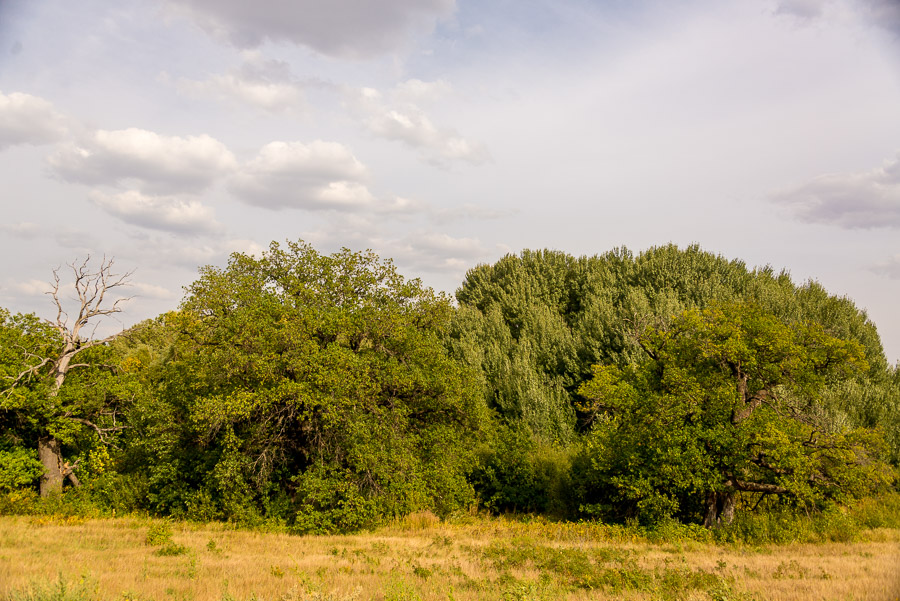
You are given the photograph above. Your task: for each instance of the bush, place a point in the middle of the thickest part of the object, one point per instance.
(516, 473)
(789, 525)
(19, 468)
(159, 533)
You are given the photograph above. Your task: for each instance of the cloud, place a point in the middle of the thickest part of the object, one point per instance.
(802, 9)
(80, 241)
(157, 164)
(889, 268)
(879, 13)
(433, 252)
(416, 91)
(25, 229)
(26, 119)
(167, 213)
(267, 85)
(340, 28)
(868, 199)
(315, 176)
(31, 287)
(425, 251)
(402, 119)
(400, 205)
(883, 13)
(151, 291)
(471, 212)
(189, 254)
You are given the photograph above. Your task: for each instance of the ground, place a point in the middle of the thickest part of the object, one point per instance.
(422, 559)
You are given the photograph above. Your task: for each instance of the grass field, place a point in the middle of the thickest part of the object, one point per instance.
(420, 558)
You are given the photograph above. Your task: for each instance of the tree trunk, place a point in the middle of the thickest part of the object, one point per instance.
(726, 515)
(51, 458)
(719, 509)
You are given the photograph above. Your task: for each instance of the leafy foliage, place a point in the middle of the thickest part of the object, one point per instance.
(310, 388)
(326, 393)
(84, 414)
(19, 468)
(728, 401)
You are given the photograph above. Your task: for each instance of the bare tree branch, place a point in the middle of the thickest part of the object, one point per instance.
(91, 288)
(25, 374)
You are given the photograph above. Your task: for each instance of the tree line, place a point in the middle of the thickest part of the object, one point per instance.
(329, 393)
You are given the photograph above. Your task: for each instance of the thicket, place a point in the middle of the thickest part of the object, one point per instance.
(328, 393)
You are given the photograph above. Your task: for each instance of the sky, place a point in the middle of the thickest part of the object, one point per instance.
(167, 134)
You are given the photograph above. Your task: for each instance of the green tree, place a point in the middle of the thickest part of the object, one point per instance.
(309, 388)
(728, 401)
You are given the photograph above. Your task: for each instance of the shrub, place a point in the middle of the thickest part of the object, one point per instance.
(159, 533)
(19, 468)
(517, 473)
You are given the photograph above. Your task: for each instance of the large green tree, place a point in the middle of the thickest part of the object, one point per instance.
(311, 388)
(728, 400)
(534, 323)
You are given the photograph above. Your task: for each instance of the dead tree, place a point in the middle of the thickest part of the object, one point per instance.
(93, 288)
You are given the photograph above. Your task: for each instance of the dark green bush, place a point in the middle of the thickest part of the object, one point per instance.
(516, 473)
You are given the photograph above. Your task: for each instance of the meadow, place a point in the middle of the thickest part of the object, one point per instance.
(421, 558)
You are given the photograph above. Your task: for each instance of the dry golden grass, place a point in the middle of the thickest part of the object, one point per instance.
(423, 559)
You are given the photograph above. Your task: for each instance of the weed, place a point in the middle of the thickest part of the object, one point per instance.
(442, 541)
(159, 533)
(58, 590)
(398, 590)
(421, 572)
(171, 549)
(789, 570)
(723, 591)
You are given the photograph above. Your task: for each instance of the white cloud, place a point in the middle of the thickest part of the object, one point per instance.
(471, 212)
(399, 205)
(889, 268)
(151, 291)
(416, 91)
(189, 254)
(31, 287)
(165, 213)
(315, 176)
(26, 119)
(868, 199)
(419, 251)
(157, 164)
(80, 241)
(25, 229)
(341, 28)
(433, 252)
(268, 85)
(446, 245)
(401, 118)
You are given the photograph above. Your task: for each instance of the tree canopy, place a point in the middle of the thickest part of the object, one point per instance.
(728, 400)
(312, 387)
(327, 392)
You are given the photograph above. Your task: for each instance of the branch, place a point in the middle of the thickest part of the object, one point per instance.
(750, 405)
(755, 486)
(102, 432)
(91, 288)
(27, 373)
